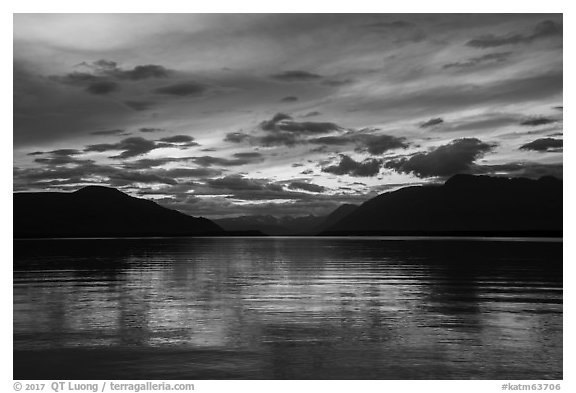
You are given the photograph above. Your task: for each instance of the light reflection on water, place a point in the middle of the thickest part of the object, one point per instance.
(287, 308)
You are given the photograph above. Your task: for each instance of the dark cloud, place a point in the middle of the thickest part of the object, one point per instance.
(278, 139)
(108, 132)
(183, 89)
(65, 171)
(378, 144)
(312, 114)
(490, 58)
(238, 160)
(103, 77)
(65, 152)
(102, 87)
(181, 173)
(270, 125)
(372, 143)
(543, 29)
(130, 147)
(432, 122)
(140, 105)
(332, 140)
(110, 69)
(295, 76)
(544, 145)
(59, 157)
(300, 185)
(347, 166)
(151, 129)
(284, 122)
(187, 139)
(249, 154)
(145, 72)
(236, 137)
(537, 121)
(289, 99)
(457, 156)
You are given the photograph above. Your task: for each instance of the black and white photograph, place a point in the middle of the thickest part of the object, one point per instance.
(288, 196)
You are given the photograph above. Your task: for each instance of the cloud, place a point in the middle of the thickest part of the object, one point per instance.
(485, 121)
(532, 170)
(270, 125)
(102, 76)
(471, 94)
(490, 58)
(338, 140)
(140, 105)
(238, 160)
(110, 69)
(337, 82)
(240, 183)
(312, 114)
(129, 147)
(179, 139)
(347, 166)
(295, 76)
(543, 29)
(102, 87)
(378, 144)
(65, 152)
(455, 157)
(183, 89)
(537, 121)
(432, 122)
(236, 137)
(59, 157)
(122, 178)
(300, 185)
(289, 99)
(544, 145)
(151, 129)
(278, 139)
(372, 143)
(144, 72)
(284, 122)
(136, 146)
(397, 24)
(108, 132)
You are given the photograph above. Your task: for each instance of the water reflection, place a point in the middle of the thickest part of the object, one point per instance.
(287, 308)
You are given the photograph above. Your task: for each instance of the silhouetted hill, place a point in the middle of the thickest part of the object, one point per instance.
(96, 211)
(337, 215)
(464, 205)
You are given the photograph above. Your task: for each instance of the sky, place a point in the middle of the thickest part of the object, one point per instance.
(221, 115)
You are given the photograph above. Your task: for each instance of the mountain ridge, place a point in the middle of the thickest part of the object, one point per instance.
(464, 204)
(97, 211)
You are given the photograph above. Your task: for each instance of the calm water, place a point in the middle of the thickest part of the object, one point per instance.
(287, 308)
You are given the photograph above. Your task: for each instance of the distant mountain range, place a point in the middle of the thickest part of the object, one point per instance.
(464, 205)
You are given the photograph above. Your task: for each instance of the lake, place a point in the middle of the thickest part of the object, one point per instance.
(287, 308)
